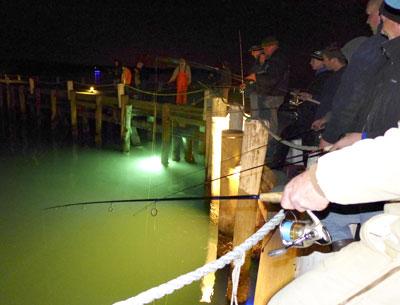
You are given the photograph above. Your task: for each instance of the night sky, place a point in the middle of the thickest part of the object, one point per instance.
(95, 32)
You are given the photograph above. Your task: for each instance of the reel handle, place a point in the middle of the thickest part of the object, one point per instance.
(271, 197)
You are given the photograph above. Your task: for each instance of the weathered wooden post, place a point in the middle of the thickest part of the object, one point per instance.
(219, 123)
(1, 97)
(38, 101)
(253, 155)
(235, 117)
(8, 92)
(120, 93)
(273, 272)
(126, 143)
(207, 142)
(22, 99)
(53, 105)
(124, 102)
(99, 120)
(70, 87)
(12, 98)
(166, 134)
(31, 85)
(74, 115)
(231, 152)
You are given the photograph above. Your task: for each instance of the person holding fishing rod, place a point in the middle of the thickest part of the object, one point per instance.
(367, 271)
(271, 85)
(182, 75)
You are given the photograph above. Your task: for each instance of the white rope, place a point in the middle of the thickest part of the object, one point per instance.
(158, 292)
(235, 277)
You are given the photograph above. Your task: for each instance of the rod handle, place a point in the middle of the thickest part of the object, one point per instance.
(271, 197)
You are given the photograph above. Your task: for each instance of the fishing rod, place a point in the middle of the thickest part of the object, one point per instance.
(241, 67)
(273, 197)
(262, 197)
(175, 61)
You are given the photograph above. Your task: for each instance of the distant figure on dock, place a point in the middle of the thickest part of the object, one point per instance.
(183, 77)
(117, 71)
(126, 76)
(138, 79)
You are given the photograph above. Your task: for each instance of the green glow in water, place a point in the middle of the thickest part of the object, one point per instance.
(96, 255)
(151, 164)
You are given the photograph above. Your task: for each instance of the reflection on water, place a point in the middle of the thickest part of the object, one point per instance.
(96, 254)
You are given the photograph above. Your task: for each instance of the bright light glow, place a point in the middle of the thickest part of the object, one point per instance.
(208, 281)
(91, 90)
(235, 173)
(151, 164)
(218, 125)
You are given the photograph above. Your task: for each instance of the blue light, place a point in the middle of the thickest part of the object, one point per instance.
(97, 75)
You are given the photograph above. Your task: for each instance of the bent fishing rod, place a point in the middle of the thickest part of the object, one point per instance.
(272, 197)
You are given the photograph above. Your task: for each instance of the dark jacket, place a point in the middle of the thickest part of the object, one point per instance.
(331, 85)
(273, 77)
(350, 108)
(385, 95)
(307, 110)
(317, 84)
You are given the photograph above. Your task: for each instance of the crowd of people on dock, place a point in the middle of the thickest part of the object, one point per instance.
(353, 104)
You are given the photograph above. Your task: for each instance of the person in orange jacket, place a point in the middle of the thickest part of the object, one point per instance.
(126, 76)
(183, 77)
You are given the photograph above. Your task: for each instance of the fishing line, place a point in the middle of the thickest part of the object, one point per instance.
(210, 181)
(165, 198)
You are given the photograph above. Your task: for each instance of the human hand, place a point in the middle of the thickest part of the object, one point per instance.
(324, 145)
(305, 95)
(318, 124)
(299, 194)
(347, 140)
(251, 77)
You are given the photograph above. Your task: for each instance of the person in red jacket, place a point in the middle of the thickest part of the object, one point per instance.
(183, 77)
(126, 76)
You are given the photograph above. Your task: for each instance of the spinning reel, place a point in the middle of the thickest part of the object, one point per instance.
(302, 234)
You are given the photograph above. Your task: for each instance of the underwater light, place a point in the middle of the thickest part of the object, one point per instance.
(151, 164)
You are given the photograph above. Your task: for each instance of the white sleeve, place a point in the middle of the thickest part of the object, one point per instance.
(367, 171)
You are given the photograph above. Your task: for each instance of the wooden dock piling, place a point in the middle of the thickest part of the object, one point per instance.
(253, 155)
(230, 161)
(53, 105)
(22, 100)
(99, 120)
(74, 114)
(166, 135)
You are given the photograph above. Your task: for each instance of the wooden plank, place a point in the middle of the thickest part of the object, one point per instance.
(273, 272)
(188, 121)
(13, 82)
(253, 154)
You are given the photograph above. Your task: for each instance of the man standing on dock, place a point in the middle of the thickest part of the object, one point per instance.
(183, 77)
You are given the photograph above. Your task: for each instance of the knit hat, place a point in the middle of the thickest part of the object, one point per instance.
(350, 47)
(391, 10)
(317, 55)
(255, 48)
(334, 52)
(270, 40)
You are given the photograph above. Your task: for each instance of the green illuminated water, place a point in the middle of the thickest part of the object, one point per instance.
(98, 254)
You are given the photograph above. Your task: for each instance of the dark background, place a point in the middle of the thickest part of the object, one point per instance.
(96, 32)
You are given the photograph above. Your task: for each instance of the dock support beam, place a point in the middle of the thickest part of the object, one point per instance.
(253, 155)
